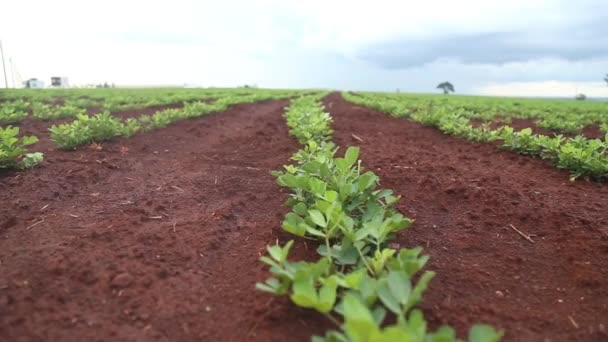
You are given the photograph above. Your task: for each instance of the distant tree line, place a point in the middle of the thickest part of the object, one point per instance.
(105, 85)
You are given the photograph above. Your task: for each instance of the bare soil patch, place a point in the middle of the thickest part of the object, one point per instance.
(464, 197)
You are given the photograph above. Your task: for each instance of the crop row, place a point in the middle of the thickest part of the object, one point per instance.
(121, 95)
(14, 111)
(13, 152)
(560, 116)
(336, 202)
(104, 126)
(582, 156)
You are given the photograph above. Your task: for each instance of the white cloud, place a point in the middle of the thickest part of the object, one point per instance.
(282, 43)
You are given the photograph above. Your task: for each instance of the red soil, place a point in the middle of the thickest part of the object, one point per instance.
(157, 237)
(152, 238)
(133, 113)
(40, 128)
(517, 124)
(593, 132)
(464, 196)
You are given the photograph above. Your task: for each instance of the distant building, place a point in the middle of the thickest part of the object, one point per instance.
(59, 82)
(33, 83)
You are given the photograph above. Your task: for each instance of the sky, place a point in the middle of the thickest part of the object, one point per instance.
(503, 48)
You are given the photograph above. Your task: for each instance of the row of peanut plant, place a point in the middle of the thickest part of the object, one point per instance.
(52, 104)
(358, 281)
(582, 156)
(13, 152)
(560, 116)
(16, 104)
(101, 127)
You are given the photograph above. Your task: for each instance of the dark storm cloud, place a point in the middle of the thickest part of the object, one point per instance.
(576, 44)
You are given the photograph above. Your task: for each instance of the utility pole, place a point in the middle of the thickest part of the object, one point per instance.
(3, 66)
(10, 63)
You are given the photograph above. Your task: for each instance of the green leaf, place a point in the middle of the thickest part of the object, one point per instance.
(300, 208)
(417, 324)
(392, 334)
(484, 333)
(351, 155)
(342, 164)
(317, 217)
(327, 295)
(324, 170)
(400, 286)
(330, 196)
(271, 285)
(312, 231)
(379, 313)
(348, 255)
(390, 200)
(304, 293)
(292, 224)
(359, 323)
(285, 251)
(32, 159)
(317, 186)
(28, 140)
(265, 288)
(387, 298)
(288, 180)
(368, 289)
(367, 181)
(276, 252)
(443, 334)
(311, 167)
(290, 168)
(353, 279)
(419, 289)
(362, 233)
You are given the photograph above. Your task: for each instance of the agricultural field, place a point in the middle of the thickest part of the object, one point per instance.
(290, 215)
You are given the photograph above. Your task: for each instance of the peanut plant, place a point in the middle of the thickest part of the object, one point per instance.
(13, 152)
(358, 281)
(104, 126)
(582, 156)
(13, 112)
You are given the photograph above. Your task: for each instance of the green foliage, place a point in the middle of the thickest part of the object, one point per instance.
(581, 156)
(13, 112)
(335, 201)
(584, 157)
(559, 116)
(87, 129)
(32, 159)
(308, 121)
(13, 152)
(104, 126)
(43, 111)
(560, 123)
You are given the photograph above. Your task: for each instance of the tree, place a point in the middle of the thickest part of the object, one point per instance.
(581, 97)
(447, 87)
(606, 79)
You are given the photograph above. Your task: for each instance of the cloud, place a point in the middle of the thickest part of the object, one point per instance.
(575, 44)
(387, 44)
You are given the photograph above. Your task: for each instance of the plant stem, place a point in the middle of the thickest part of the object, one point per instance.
(333, 319)
(328, 249)
(364, 259)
